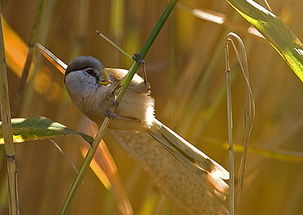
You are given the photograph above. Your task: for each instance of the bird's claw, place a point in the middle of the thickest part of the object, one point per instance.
(111, 114)
(115, 102)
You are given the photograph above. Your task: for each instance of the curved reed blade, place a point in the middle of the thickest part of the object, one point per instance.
(249, 110)
(284, 41)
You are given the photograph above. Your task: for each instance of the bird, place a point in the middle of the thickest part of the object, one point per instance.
(182, 172)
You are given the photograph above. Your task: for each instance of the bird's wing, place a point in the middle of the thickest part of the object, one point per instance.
(189, 155)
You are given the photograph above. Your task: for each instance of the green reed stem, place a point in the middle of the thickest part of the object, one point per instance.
(124, 84)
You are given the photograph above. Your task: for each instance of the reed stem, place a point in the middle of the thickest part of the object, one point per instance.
(8, 131)
(124, 84)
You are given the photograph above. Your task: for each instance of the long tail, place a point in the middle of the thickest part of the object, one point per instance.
(189, 156)
(196, 193)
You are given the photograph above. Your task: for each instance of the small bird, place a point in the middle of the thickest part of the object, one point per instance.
(184, 173)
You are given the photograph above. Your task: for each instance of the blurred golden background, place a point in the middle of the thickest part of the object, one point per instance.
(186, 70)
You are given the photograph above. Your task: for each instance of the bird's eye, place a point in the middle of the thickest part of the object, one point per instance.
(91, 72)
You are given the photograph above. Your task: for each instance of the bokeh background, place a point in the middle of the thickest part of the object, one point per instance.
(186, 70)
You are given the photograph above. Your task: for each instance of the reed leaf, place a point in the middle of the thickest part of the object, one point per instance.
(284, 41)
(37, 128)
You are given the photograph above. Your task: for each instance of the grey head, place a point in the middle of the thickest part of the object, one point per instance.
(84, 63)
(82, 76)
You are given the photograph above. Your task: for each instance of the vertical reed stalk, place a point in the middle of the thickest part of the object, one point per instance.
(117, 19)
(7, 131)
(249, 112)
(29, 59)
(230, 133)
(46, 17)
(173, 68)
(80, 28)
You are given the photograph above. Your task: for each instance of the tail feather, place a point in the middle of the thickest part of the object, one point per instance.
(188, 155)
(197, 192)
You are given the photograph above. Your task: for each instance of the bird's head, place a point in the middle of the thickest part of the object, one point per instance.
(85, 75)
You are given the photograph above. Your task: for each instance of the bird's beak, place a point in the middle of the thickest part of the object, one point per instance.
(105, 79)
